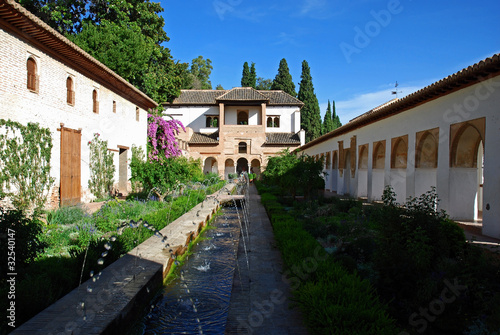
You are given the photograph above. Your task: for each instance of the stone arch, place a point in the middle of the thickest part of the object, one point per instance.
(255, 166)
(465, 145)
(32, 73)
(229, 168)
(347, 175)
(427, 149)
(241, 165)
(334, 170)
(210, 165)
(363, 157)
(328, 160)
(335, 160)
(399, 154)
(379, 155)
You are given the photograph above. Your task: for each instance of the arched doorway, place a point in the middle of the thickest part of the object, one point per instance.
(378, 170)
(335, 171)
(210, 165)
(241, 165)
(466, 173)
(363, 171)
(347, 173)
(256, 167)
(229, 168)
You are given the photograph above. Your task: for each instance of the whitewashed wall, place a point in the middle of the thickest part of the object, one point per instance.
(49, 108)
(456, 187)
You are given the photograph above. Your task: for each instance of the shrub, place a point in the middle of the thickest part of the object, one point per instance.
(101, 167)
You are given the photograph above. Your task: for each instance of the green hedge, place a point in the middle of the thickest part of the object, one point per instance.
(332, 300)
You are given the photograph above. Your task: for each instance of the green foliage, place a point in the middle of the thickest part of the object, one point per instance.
(24, 234)
(264, 84)
(246, 78)
(332, 300)
(65, 215)
(25, 153)
(101, 167)
(198, 76)
(283, 80)
(335, 117)
(310, 114)
(328, 121)
(294, 174)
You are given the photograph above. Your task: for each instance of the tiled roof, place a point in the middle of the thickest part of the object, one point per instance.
(281, 98)
(484, 70)
(210, 97)
(282, 138)
(242, 94)
(14, 17)
(199, 138)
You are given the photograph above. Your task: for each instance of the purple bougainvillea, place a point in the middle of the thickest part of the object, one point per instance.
(161, 137)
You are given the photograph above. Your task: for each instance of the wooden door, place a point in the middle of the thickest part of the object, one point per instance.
(70, 189)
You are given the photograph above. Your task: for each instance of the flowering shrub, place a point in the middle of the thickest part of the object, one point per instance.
(101, 167)
(161, 137)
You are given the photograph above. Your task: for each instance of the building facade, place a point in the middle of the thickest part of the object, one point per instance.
(47, 79)
(237, 130)
(445, 135)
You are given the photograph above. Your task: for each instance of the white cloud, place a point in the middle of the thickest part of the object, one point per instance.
(362, 103)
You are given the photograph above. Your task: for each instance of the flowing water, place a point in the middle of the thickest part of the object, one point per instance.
(197, 301)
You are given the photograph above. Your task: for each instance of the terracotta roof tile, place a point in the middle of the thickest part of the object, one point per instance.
(199, 138)
(210, 97)
(282, 138)
(30, 27)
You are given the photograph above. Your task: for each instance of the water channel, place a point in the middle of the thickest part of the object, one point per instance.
(197, 301)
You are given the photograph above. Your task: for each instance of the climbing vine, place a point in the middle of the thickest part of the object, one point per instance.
(101, 167)
(25, 152)
(161, 138)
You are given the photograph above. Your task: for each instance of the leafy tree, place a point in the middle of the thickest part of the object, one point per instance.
(245, 78)
(263, 84)
(253, 76)
(310, 114)
(219, 87)
(327, 121)
(199, 74)
(283, 80)
(335, 118)
(125, 35)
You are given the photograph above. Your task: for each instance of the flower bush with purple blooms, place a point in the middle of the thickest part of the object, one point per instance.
(161, 137)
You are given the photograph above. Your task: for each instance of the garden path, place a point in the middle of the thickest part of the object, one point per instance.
(260, 299)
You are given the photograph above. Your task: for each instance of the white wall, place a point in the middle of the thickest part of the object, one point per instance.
(49, 108)
(456, 188)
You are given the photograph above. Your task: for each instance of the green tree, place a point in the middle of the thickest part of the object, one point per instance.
(335, 117)
(283, 80)
(199, 74)
(327, 121)
(101, 167)
(219, 87)
(245, 78)
(252, 79)
(263, 84)
(310, 114)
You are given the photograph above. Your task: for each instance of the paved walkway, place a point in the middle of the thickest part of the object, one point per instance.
(260, 299)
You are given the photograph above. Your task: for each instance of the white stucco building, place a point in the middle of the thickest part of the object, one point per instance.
(47, 79)
(445, 135)
(239, 129)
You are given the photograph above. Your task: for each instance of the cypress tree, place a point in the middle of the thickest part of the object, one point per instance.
(283, 80)
(245, 79)
(252, 78)
(310, 114)
(335, 118)
(328, 120)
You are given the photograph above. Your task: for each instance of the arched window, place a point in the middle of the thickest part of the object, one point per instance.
(208, 122)
(276, 122)
(32, 75)
(269, 122)
(95, 102)
(363, 157)
(379, 155)
(399, 154)
(242, 148)
(427, 151)
(70, 92)
(242, 117)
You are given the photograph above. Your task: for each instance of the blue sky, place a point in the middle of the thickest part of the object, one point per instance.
(356, 50)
